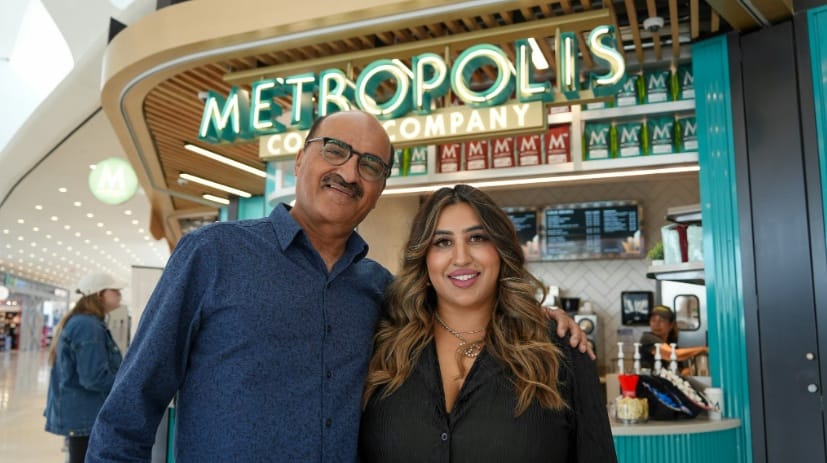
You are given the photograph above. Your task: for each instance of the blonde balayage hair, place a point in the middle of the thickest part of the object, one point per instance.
(91, 304)
(517, 334)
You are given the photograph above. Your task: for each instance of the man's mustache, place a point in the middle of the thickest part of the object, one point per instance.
(336, 179)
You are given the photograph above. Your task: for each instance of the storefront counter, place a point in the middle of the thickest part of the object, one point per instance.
(685, 441)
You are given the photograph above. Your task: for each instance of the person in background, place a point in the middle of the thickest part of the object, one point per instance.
(465, 365)
(263, 327)
(84, 360)
(664, 330)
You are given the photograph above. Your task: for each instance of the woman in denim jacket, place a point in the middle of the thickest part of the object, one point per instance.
(84, 360)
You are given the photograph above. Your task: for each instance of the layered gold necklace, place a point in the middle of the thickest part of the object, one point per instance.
(465, 348)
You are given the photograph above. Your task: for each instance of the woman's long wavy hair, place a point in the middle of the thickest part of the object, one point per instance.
(91, 304)
(517, 333)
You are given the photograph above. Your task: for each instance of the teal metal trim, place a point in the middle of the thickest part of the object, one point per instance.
(721, 234)
(707, 447)
(251, 208)
(817, 19)
(171, 435)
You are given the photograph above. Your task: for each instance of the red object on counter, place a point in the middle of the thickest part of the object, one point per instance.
(628, 385)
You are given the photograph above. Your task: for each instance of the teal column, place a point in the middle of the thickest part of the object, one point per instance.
(817, 19)
(705, 447)
(721, 234)
(251, 208)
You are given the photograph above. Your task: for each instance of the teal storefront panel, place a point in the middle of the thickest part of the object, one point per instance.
(817, 19)
(721, 235)
(707, 447)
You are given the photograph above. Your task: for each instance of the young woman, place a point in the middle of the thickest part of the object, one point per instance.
(466, 366)
(664, 330)
(84, 360)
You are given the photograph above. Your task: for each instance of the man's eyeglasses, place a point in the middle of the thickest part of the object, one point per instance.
(336, 152)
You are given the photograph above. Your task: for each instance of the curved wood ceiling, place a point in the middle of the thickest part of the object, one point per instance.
(173, 109)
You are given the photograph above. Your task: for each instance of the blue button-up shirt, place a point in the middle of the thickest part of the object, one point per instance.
(266, 349)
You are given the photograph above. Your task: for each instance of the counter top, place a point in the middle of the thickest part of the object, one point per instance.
(695, 425)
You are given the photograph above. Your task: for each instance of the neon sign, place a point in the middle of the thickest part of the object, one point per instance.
(245, 116)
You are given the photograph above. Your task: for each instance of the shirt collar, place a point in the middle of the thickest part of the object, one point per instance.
(287, 229)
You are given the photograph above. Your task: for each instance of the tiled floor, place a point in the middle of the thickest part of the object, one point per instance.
(24, 379)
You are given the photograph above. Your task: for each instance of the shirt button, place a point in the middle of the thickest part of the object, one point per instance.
(444, 436)
(329, 373)
(328, 422)
(329, 328)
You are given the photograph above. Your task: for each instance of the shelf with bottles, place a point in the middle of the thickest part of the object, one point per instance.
(690, 213)
(647, 109)
(686, 272)
(544, 174)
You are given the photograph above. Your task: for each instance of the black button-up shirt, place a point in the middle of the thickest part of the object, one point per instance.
(412, 425)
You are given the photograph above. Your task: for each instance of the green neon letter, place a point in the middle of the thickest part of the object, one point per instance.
(474, 58)
(601, 42)
(368, 83)
(335, 92)
(223, 120)
(527, 89)
(430, 80)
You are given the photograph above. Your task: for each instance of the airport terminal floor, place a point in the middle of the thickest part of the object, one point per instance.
(24, 380)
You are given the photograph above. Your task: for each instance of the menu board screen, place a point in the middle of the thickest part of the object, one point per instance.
(526, 226)
(598, 230)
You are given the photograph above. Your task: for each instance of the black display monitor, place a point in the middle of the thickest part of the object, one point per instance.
(528, 231)
(594, 230)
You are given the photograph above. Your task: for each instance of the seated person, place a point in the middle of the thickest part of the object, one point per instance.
(665, 331)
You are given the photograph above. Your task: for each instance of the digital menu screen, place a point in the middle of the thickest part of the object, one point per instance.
(598, 230)
(526, 226)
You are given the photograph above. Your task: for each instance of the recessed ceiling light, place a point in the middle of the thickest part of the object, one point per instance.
(5, 231)
(77, 203)
(53, 218)
(48, 237)
(67, 227)
(216, 185)
(35, 229)
(117, 239)
(38, 207)
(87, 241)
(19, 238)
(90, 215)
(21, 221)
(225, 160)
(62, 190)
(127, 212)
(134, 221)
(77, 234)
(109, 232)
(100, 224)
(216, 199)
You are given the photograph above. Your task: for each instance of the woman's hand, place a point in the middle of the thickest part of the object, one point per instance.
(566, 324)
